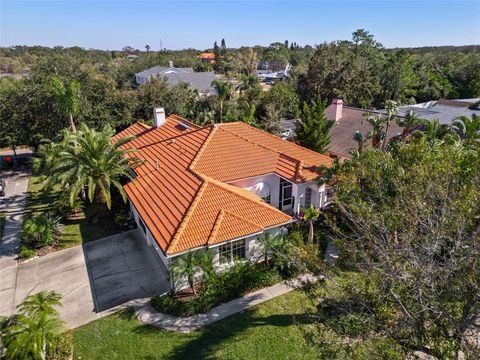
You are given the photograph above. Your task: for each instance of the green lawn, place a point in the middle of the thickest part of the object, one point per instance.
(272, 330)
(282, 328)
(75, 230)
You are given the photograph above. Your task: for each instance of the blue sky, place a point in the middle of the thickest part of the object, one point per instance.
(197, 24)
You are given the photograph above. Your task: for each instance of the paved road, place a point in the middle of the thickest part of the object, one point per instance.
(13, 203)
(94, 279)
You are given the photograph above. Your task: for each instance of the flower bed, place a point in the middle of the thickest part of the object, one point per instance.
(242, 278)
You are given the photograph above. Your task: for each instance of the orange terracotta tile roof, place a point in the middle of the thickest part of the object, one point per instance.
(181, 191)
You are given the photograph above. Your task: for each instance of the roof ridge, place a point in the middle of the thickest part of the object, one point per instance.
(186, 217)
(248, 140)
(243, 219)
(204, 146)
(277, 138)
(185, 121)
(248, 196)
(216, 226)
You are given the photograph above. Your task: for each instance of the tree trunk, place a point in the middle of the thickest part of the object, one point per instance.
(386, 135)
(43, 353)
(15, 157)
(310, 231)
(72, 124)
(221, 111)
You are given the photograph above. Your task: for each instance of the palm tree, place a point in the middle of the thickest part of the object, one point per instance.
(310, 215)
(29, 335)
(409, 123)
(268, 244)
(434, 131)
(224, 92)
(205, 259)
(247, 82)
(93, 163)
(68, 96)
(378, 133)
(147, 47)
(186, 266)
(391, 107)
(467, 129)
(357, 136)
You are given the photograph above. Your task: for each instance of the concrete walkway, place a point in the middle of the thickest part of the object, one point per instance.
(148, 315)
(13, 203)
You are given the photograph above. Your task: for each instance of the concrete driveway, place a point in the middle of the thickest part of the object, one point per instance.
(94, 278)
(122, 268)
(13, 204)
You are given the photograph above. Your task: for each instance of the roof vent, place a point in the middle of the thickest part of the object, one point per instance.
(184, 125)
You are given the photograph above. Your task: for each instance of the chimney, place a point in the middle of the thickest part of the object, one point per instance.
(170, 63)
(158, 117)
(334, 110)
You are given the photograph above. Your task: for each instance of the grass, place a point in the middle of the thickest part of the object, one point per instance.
(3, 220)
(75, 230)
(272, 330)
(282, 328)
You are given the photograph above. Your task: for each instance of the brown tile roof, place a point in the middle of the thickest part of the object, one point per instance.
(353, 120)
(457, 103)
(186, 203)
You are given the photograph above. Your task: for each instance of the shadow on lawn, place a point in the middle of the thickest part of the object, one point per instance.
(214, 335)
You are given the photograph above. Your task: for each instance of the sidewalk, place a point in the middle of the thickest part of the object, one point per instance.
(13, 203)
(149, 316)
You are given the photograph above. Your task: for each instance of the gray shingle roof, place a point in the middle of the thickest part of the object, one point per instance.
(202, 81)
(443, 110)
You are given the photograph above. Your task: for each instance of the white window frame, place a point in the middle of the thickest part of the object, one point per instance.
(226, 251)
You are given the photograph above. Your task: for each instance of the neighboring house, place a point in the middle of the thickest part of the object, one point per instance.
(217, 187)
(272, 70)
(201, 81)
(208, 57)
(444, 110)
(348, 120)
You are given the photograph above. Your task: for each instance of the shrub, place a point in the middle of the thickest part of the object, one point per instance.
(61, 348)
(241, 278)
(40, 230)
(26, 252)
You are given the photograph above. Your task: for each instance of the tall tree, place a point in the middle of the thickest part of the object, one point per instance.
(147, 47)
(224, 92)
(68, 96)
(409, 220)
(94, 163)
(392, 108)
(313, 131)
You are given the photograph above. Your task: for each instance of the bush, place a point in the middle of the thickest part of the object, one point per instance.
(241, 278)
(40, 230)
(26, 252)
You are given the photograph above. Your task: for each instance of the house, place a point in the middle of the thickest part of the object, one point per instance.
(445, 110)
(272, 70)
(201, 81)
(208, 58)
(217, 187)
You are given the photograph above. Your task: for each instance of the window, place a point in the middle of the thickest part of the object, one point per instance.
(308, 197)
(267, 199)
(231, 251)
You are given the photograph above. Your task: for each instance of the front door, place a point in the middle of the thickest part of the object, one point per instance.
(286, 199)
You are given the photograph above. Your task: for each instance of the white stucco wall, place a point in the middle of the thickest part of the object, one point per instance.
(272, 180)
